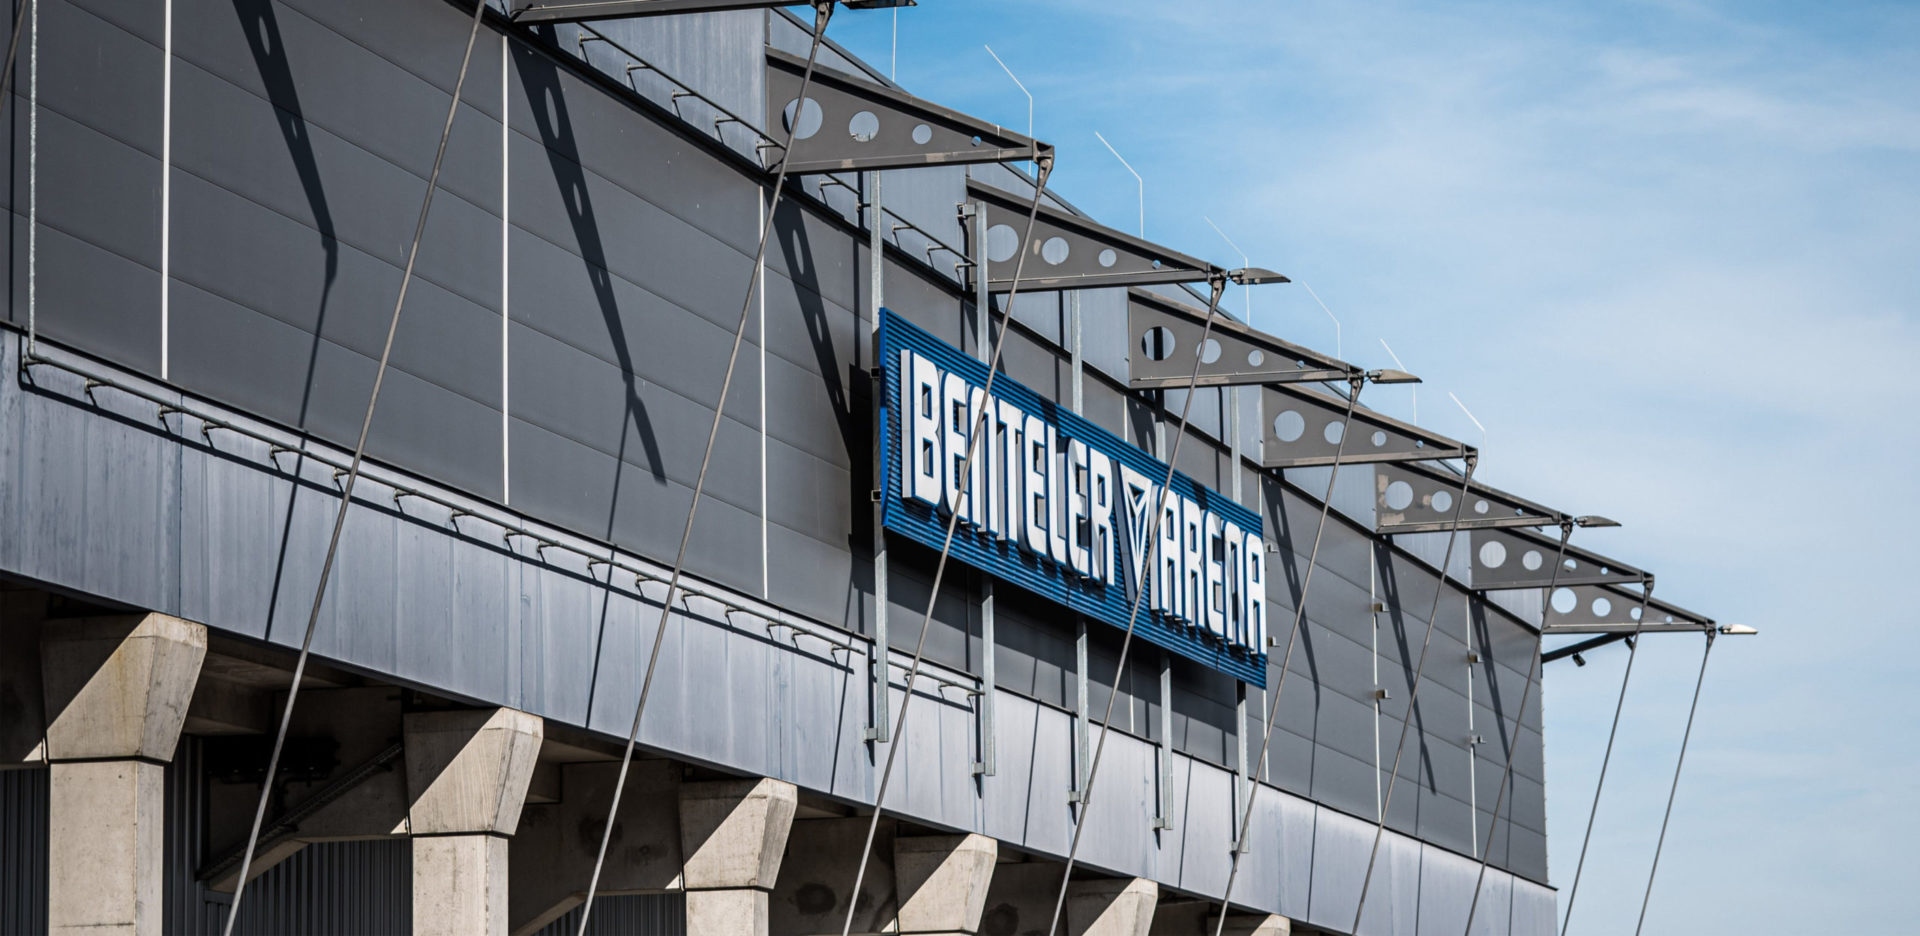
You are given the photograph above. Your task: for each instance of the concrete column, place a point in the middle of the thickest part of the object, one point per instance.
(467, 776)
(1253, 924)
(1111, 907)
(733, 834)
(942, 881)
(116, 691)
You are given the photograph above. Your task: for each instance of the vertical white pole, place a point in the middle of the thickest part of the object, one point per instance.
(166, 190)
(506, 236)
(760, 286)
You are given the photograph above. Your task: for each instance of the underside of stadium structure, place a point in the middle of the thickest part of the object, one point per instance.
(215, 207)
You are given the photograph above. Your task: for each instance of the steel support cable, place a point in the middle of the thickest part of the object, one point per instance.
(1519, 721)
(823, 11)
(1413, 696)
(946, 546)
(1216, 287)
(1633, 650)
(1684, 738)
(1086, 798)
(353, 475)
(1286, 659)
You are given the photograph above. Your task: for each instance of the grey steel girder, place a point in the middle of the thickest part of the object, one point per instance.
(1071, 252)
(854, 125)
(1607, 609)
(1414, 498)
(1305, 424)
(1517, 559)
(1240, 354)
(574, 11)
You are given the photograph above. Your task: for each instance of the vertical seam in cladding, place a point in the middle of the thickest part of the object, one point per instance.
(506, 325)
(166, 187)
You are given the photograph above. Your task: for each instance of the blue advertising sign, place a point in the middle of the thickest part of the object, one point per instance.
(1062, 508)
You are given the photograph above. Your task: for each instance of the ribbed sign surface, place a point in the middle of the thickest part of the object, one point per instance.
(1058, 506)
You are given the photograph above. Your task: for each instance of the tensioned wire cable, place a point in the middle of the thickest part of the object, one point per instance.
(1355, 384)
(1684, 738)
(1286, 660)
(353, 476)
(823, 11)
(1519, 721)
(1413, 698)
(946, 546)
(1633, 650)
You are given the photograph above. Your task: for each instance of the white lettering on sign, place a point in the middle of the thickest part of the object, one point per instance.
(1062, 500)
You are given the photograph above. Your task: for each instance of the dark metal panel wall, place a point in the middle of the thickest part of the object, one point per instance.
(23, 851)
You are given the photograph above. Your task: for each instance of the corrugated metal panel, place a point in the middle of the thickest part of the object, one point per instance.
(23, 851)
(325, 889)
(626, 915)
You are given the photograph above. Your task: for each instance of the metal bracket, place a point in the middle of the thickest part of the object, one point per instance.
(1163, 336)
(1412, 498)
(1071, 252)
(852, 125)
(1307, 425)
(1506, 560)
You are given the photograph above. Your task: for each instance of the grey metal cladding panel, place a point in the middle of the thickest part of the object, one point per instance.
(1445, 820)
(816, 259)
(91, 297)
(1119, 835)
(946, 640)
(1341, 844)
(1026, 801)
(425, 39)
(1535, 910)
(1209, 409)
(311, 109)
(933, 777)
(927, 197)
(1343, 782)
(924, 303)
(817, 579)
(810, 496)
(1104, 406)
(74, 42)
(1276, 877)
(1289, 764)
(1203, 820)
(1345, 726)
(1044, 312)
(1446, 887)
(1037, 367)
(1103, 340)
(1333, 662)
(1034, 655)
(234, 353)
(723, 54)
(231, 247)
(580, 125)
(660, 432)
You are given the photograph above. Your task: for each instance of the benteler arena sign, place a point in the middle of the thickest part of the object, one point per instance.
(1062, 508)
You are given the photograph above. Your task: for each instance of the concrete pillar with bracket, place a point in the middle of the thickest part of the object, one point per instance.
(467, 777)
(734, 835)
(116, 691)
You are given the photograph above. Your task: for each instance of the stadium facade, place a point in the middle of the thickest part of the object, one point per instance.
(213, 207)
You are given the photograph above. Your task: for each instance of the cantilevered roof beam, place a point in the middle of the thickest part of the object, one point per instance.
(1308, 424)
(1163, 335)
(854, 125)
(1413, 498)
(574, 11)
(1071, 252)
(1515, 559)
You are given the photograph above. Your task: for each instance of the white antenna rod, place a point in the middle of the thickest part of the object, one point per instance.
(1476, 422)
(1414, 387)
(1337, 352)
(1136, 178)
(1244, 261)
(893, 67)
(1023, 90)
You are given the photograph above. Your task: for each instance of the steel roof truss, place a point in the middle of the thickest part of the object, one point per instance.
(1410, 498)
(576, 11)
(1517, 559)
(1601, 609)
(1309, 416)
(1071, 252)
(866, 126)
(1240, 355)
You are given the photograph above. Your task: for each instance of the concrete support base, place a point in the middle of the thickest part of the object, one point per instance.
(1111, 907)
(106, 846)
(942, 881)
(467, 773)
(734, 835)
(116, 692)
(459, 885)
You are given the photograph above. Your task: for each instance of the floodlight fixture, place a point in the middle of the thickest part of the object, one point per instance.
(1737, 630)
(1594, 521)
(1391, 376)
(878, 4)
(1255, 276)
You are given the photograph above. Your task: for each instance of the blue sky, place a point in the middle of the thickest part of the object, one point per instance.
(1666, 252)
